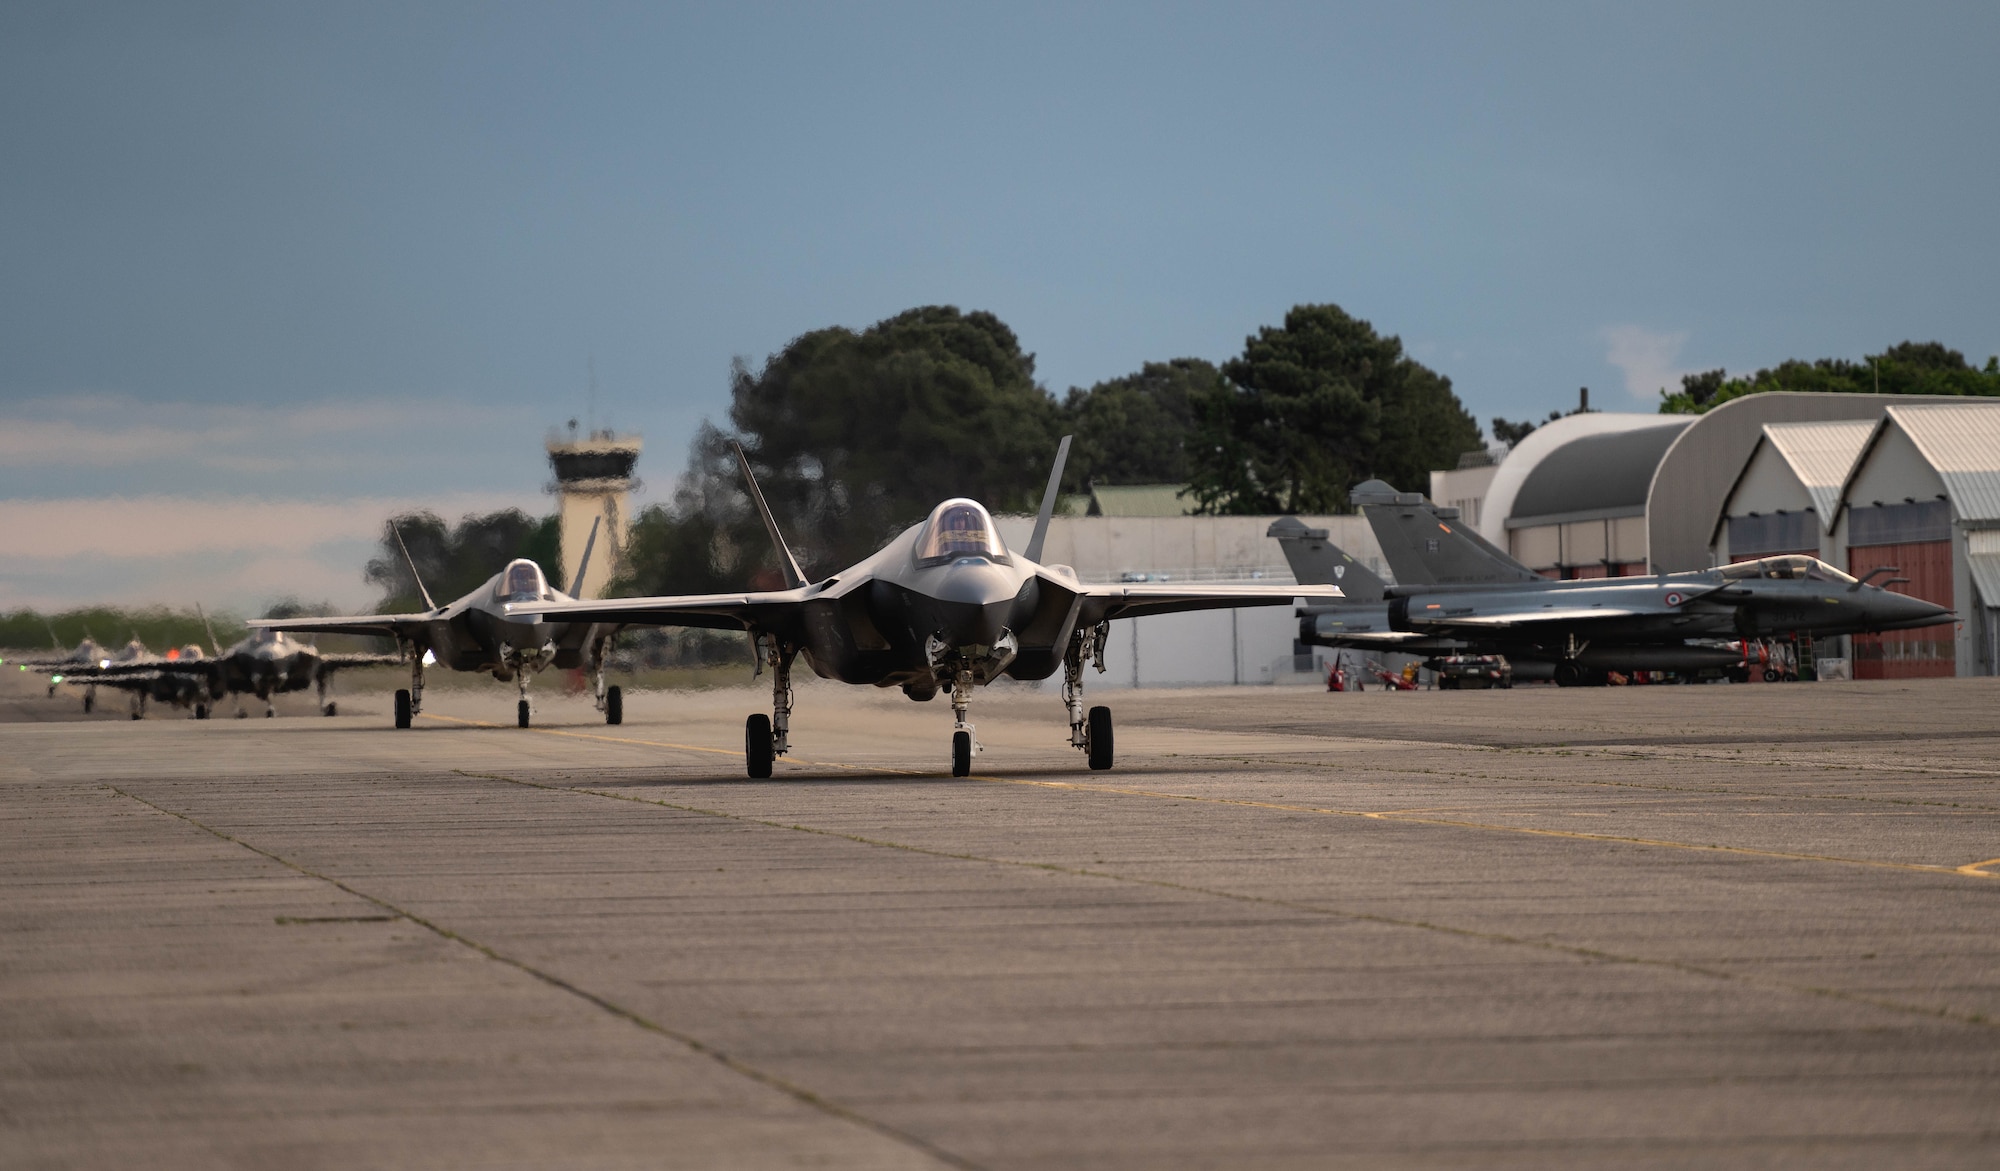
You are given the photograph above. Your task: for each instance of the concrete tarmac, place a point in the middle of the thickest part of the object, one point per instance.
(1722, 926)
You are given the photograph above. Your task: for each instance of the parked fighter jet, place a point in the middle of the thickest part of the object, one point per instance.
(477, 633)
(945, 606)
(1456, 592)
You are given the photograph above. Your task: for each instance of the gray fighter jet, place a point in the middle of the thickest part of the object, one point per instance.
(945, 606)
(1456, 592)
(478, 633)
(75, 665)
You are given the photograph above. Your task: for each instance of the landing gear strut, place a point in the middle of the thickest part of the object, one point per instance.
(410, 702)
(1090, 732)
(610, 700)
(521, 705)
(326, 704)
(767, 737)
(962, 743)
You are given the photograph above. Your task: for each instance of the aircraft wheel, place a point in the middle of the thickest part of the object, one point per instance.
(961, 754)
(137, 716)
(1772, 675)
(1100, 739)
(1568, 675)
(270, 713)
(521, 714)
(89, 701)
(757, 745)
(332, 709)
(403, 708)
(201, 711)
(614, 705)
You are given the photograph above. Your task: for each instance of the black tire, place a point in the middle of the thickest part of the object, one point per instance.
(521, 714)
(961, 754)
(89, 701)
(402, 709)
(1568, 675)
(757, 752)
(137, 716)
(1100, 739)
(332, 708)
(614, 705)
(201, 711)
(270, 713)
(1772, 674)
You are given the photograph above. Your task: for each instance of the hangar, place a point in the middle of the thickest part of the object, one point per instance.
(1861, 481)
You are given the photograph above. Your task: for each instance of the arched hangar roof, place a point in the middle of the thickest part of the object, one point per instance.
(1594, 477)
(1524, 464)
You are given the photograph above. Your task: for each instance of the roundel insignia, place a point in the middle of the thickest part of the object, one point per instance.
(1676, 598)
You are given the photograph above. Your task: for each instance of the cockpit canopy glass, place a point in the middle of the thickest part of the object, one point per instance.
(1791, 567)
(522, 581)
(959, 528)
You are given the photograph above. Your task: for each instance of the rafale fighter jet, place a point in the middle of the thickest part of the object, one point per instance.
(1456, 592)
(478, 633)
(945, 606)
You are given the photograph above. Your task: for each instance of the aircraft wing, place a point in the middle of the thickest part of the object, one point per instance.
(1133, 600)
(763, 610)
(389, 624)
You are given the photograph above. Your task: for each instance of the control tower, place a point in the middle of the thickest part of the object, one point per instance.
(594, 482)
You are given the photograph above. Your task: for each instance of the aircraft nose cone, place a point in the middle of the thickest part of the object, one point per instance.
(1895, 611)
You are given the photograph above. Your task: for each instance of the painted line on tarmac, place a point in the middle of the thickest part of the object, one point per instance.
(1592, 954)
(734, 1064)
(1403, 817)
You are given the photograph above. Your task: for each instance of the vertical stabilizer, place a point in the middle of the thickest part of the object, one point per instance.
(1034, 550)
(1426, 545)
(787, 564)
(1318, 561)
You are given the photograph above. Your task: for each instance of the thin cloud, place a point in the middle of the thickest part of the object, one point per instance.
(1648, 358)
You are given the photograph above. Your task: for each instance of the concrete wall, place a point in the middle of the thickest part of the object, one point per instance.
(1207, 647)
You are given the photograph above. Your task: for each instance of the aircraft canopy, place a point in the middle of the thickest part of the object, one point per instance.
(959, 528)
(1791, 567)
(522, 581)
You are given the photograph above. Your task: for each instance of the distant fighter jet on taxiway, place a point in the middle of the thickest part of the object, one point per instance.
(478, 633)
(945, 606)
(1456, 592)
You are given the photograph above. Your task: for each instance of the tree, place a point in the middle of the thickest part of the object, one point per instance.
(855, 435)
(1136, 429)
(1904, 368)
(455, 561)
(1312, 407)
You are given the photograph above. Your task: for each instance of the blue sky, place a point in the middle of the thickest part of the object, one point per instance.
(287, 255)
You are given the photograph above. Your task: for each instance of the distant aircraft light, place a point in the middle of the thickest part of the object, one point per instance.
(429, 658)
(52, 678)
(104, 662)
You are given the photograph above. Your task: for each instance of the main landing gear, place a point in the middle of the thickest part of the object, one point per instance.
(326, 704)
(765, 738)
(610, 700)
(1090, 732)
(411, 702)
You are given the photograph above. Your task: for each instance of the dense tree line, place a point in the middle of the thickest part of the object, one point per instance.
(854, 434)
(1906, 368)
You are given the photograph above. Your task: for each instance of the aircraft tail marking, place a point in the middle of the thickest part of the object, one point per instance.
(1034, 550)
(1318, 561)
(787, 564)
(1427, 545)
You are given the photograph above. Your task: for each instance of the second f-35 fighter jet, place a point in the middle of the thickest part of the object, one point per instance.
(479, 633)
(945, 606)
(1455, 592)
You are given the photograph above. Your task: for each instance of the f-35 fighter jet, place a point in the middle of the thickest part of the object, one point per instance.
(479, 633)
(1456, 592)
(945, 606)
